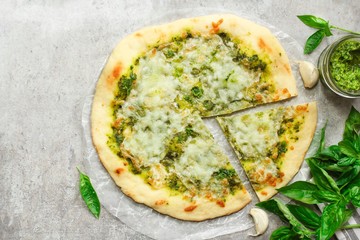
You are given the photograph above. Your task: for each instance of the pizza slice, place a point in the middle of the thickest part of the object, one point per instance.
(271, 144)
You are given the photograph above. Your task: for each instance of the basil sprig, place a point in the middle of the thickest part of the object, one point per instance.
(89, 195)
(336, 184)
(324, 31)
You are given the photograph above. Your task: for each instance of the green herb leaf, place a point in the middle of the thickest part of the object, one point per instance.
(355, 196)
(346, 161)
(298, 227)
(346, 147)
(224, 173)
(333, 152)
(327, 30)
(314, 22)
(322, 179)
(169, 53)
(305, 215)
(314, 41)
(325, 196)
(324, 30)
(350, 191)
(333, 217)
(208, 105)
(322, 140)
(301, 191)
(332, 166)
(125, 85)
(197, 92)
(347, 176)
(352, 124)
(272, 206)
(283, 233)
(280, 209)
(89, 195)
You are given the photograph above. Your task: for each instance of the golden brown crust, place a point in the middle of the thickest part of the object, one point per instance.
(124, 55)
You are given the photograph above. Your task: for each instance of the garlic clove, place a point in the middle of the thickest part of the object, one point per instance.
(261, 221)
(309, 73)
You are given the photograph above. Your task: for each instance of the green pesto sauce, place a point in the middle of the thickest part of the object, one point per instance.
(345, 65)
(288, 128)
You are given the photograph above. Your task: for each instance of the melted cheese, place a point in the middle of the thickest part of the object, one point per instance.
(199, 160)
(253, 137)
(157, 86)
(165, 75)
(255, 134)
(149, 134)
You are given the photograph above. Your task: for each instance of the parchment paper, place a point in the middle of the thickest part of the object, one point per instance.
(147, 221)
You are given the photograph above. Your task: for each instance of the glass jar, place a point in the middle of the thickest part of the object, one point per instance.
(324, 63)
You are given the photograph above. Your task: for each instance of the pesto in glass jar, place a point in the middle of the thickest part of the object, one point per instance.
(345, 65)
(339, 66)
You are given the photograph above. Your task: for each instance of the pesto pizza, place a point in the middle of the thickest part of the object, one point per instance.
(151, 96)
(271, 144)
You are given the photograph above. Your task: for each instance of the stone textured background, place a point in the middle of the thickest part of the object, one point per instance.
(50, 54)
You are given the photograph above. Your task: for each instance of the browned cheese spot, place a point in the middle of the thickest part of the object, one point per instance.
(190, 208)
(116, 71)
(220, 203)
(258, 97)
(119, 170)
(160, 202)
(216, 26)
(302, 108)
(113, 76)
(264, 46)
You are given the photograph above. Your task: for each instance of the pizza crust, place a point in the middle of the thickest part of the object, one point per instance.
(120, 60)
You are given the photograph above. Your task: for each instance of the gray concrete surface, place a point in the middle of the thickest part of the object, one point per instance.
(50, 54)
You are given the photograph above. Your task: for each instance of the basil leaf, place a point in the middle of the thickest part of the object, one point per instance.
(197, 92)
(305, 215)
(356, 142)
(272, 206)
(347, 176)
(301, 191)
(298, 227)
(350, 191)
(346, 161)
(323, 196)
(322, 179)
(352, 124)
(89, 195)
(332, 152)
(347, 148)
(312, 21)
(280, 209)
(322, 140)
(331, 166)
(314, 41)
(327, 30)
(353, 194)
(283, 233)
(333, 217)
